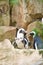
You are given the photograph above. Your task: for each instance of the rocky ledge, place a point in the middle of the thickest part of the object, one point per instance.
(7, 32)
(11, 56)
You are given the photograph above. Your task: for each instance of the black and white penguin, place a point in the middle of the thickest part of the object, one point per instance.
(38, 43)
(21, 37)
(21, 33)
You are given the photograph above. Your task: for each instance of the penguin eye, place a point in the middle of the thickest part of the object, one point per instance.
(20, 31)
(24, 33)
(32, 34)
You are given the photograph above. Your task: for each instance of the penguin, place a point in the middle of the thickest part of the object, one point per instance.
(38, 43)
(21, 37)
(21, 33)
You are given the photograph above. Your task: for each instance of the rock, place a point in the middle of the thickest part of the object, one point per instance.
(7, 32)
(4, 13)
(19, 15)
(26, 11)
(6, 51)
(20, 45)
(11, 56)
(35, 8)
(31, 26)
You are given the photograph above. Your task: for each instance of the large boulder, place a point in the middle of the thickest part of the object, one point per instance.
(7, 32)
(4, 13)
(11, 56)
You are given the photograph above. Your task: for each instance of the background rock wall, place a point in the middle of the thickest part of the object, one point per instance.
(27, 11)
(7, 32)
(24, 14)
(4, 13)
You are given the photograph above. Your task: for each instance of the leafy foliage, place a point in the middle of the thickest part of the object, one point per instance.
(13, 2)
(36, 30)
(40, 0)
(37, 0)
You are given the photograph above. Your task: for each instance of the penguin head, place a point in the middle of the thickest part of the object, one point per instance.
(33, 33)
(21, 30)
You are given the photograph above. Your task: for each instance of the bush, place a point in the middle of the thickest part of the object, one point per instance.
(13, 2)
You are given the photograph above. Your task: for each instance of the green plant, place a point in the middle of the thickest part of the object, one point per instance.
(40, 0)
(13, 2)
(36, 30)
